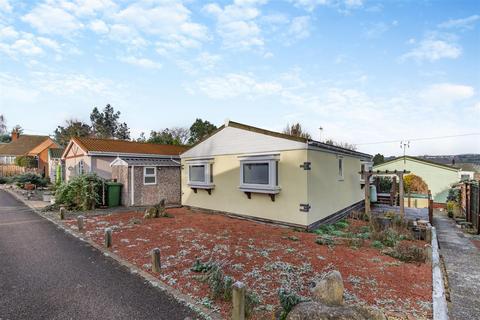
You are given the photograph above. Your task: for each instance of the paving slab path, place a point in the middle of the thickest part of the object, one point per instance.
(46, 273)
(462, 263)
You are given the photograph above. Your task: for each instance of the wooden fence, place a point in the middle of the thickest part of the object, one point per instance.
(470, 203)
(9, 170)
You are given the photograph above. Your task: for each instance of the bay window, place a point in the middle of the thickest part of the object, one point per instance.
(259, 174)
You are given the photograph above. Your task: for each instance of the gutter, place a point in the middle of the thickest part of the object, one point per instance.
(132, 187)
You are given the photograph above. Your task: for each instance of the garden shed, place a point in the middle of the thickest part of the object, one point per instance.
(148, 180)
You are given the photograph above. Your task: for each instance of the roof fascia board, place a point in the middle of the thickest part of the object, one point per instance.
(438, 165)
(135, 155)
(337, 152)
(69, 146)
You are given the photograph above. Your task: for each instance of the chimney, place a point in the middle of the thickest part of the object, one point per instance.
(15, 134)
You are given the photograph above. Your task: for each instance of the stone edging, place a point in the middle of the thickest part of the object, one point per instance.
(440, 310)
(154, 282)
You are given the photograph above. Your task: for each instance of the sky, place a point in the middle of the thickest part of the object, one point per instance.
(363, 71)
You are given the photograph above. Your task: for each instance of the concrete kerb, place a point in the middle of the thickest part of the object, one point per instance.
(440, 309)
(154, 282)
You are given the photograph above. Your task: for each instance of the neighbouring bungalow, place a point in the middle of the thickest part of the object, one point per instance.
(264, 175)
(155, 168)
(26, 145)
(438, 177)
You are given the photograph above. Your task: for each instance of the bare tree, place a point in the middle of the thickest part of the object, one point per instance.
(296, 130)
(341, 144)
(3, 124)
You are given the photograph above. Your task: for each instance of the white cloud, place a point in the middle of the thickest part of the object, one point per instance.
(169, 21)
(234, 85)
(98, 26)
(237, 25)
(341, 5)
(432, 49)
(299, 28)
(464, 23)
(50, 19)
(127, 35)
(52, 44)
(444, 94)
(5, 6)
(141, 62)
(8, 33)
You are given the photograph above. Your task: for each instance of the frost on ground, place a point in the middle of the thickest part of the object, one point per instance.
(265, 257)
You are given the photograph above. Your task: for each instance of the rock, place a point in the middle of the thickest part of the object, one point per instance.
(314, 310)
(329, 289)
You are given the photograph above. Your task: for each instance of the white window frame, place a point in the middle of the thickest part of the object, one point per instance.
(207, 182)
(145, 175)
(81, 167)
(340, 173)
(272, 186)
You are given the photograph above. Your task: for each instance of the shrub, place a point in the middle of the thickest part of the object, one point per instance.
(199, 266)
(80, 193)
(387, 237)
(4, 180)
(342, 224)
(29, 177)
(377, 244)
(252, 300)
(453, 195)
(407, 253)
(325, 240)
(26, 162)
(288, 300)
(220, 285)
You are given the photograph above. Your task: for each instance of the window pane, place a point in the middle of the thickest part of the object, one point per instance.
(197, 173)
(150, 171)
(255, 173)
(149, 179)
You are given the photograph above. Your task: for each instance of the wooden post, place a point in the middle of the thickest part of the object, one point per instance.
(430, 207)
(156, 265)
(238, 301)
(62, 213)
(108, 238)
(80, 223)
(409, 199)
(401, 195)
(367, 193)
(393, 192)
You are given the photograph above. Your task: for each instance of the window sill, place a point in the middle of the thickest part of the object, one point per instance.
(201, 186)
(149, 184)
(272, 192)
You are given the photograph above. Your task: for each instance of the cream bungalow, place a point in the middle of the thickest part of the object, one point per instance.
(260, 174)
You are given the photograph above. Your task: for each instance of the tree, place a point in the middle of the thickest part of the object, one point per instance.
(3, 125)
(296, 130)
(106, 124)
(341, 144)
(414, 183)
(163, 137)
(123, 132)
(199, 130)
(378, 159)
(18, 129)
(142, 137)
(72, 128)
(181, 134)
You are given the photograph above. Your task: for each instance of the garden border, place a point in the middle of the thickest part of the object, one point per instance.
(440, 310)
(154, 282)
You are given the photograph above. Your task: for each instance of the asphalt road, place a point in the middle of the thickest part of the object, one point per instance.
(48, 274)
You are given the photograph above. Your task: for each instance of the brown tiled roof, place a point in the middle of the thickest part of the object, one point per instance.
(22, 145)
(122, 146)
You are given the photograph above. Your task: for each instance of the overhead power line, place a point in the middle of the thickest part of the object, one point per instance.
(420, 139)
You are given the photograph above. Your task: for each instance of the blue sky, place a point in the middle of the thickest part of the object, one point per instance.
(364, 71)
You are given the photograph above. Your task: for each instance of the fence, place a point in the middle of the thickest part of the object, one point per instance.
(470, 203)
(9, 170)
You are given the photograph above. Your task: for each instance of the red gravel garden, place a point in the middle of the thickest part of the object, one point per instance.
(265, 257)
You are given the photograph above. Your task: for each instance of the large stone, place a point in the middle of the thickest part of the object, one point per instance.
(314, 310)
(329, 289)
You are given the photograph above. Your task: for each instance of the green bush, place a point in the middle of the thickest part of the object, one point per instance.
(80, 193)
(199, 266)
(288, 300)
(342, 224)
(29, 177)
(325, 240)
(252, 300)
(377, 244)
(4, 180)
(407, 253)
(26, 162)
(220, 284)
